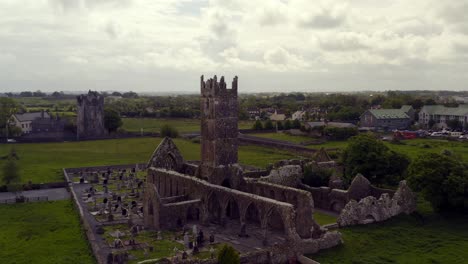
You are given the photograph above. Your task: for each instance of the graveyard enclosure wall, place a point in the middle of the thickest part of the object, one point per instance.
(216, 203)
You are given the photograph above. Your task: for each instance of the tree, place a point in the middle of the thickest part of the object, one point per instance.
(279, 125)
(269, 125)
(454, 124)
(10, 172)
(315, 176)
(228, 255)
(296, 124)
(8, 107)
(443, 181)
(287, 124)
(169, 131)
(369, 156)
(112, 120)
(258, 125)
(340, 133)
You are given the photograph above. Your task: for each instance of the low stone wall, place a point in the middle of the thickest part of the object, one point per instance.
(86, 225)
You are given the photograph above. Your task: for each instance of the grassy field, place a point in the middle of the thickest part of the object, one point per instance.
(412, 148)
(182, 125)
(431, 238)
(47, 232)
(283, 136)
(323, 219)
(42, 162)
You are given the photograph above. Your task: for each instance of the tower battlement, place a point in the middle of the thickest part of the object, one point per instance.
(212, 88)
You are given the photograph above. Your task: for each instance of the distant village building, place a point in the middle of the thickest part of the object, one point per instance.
(299, 115)
(278, 116)
(24, 121)
(388, 119)
(254, 113)
(441, 114)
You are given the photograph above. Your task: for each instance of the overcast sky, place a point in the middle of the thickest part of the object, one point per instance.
(272, 45)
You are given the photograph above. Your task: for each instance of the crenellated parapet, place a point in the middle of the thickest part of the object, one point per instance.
(213, 88)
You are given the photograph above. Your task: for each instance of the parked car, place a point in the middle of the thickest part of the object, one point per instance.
(11, 140)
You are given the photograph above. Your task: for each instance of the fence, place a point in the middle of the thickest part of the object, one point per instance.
(25, 200)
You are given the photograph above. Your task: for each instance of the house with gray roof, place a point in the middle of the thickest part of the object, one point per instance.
(387, 119)
(24, 121)
(441, 114)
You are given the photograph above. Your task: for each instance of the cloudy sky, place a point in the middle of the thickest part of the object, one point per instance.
(272, 45)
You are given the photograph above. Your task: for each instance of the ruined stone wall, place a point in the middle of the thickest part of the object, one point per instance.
(336, 199)
(371, 209)
(300, 199)
(90, 116)
(215, 199)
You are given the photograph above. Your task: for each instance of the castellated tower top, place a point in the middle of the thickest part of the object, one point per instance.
(212, 88)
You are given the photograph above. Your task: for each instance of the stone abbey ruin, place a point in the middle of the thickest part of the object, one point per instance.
(270, 210)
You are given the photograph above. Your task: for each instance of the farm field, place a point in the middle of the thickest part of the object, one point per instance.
(412, 148)
(182, 125)
(42, 162)
(42, 233)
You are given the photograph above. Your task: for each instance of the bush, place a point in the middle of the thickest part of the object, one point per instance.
(258, 125)
(228, 255)
(287, 124)
(269, 125)
(443, 181)
(296, 124)
(315, 176)
(169, 131)
(279, 125)
(340, 133)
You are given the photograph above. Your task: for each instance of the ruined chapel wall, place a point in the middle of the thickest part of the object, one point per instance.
(300, 199)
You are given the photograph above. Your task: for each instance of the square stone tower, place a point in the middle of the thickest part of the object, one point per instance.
(90, 115)
(219, 115)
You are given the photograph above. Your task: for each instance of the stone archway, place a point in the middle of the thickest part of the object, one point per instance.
(226, 183)
(232, 209)
(193, 213)
(275, 220)
(252, 214)
(214, 208)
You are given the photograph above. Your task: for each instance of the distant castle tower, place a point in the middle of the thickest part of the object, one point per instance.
(90, 116)
(219, 111)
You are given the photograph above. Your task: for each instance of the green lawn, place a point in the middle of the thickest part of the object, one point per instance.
(42, 162)
(324, 219)
(284, 137)
(47, 232)
(182, 125)
(403, 240)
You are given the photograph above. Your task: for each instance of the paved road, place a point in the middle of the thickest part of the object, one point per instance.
(52, 194)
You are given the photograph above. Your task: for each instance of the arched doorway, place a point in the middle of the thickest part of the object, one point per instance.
(232, 209)
(214, 208)
(193, 214)
(252, 214)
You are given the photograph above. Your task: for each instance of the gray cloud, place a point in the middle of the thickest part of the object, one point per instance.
(326, 18)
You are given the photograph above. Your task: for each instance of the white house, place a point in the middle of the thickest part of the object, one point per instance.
(299, 115)
(24, 121)
(441, 114)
